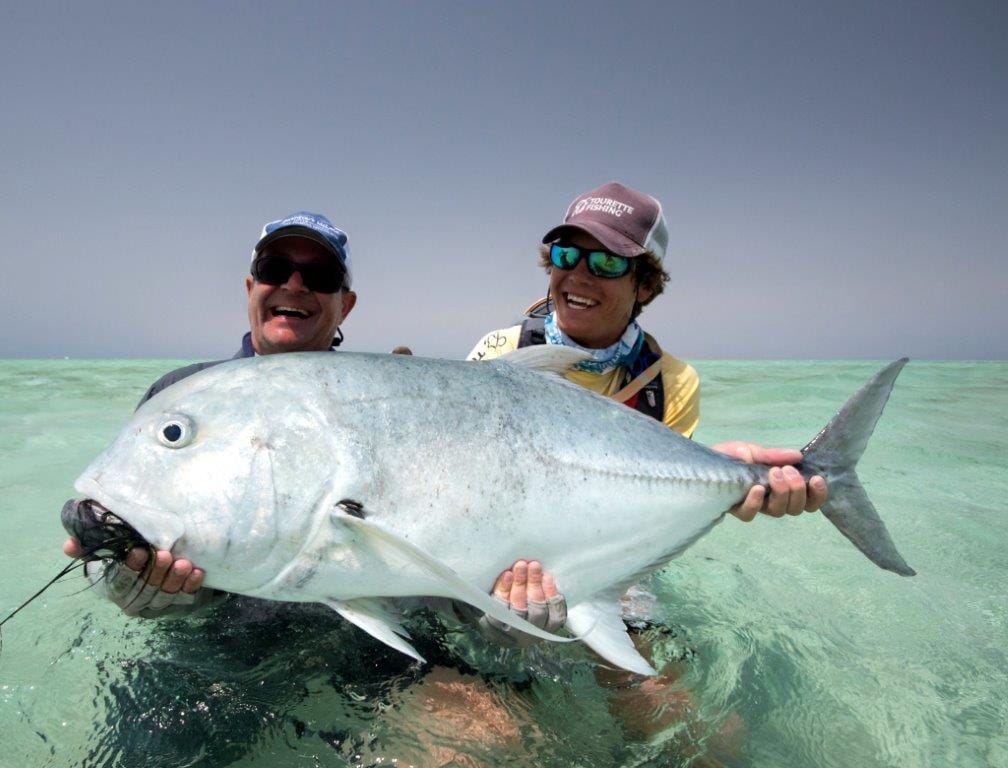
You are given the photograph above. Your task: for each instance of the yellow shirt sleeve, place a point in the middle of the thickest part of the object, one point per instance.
(682, 395)
(496, 343)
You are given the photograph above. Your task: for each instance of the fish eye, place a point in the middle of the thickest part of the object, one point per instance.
(175, 432)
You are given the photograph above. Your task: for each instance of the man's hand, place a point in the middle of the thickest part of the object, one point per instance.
(532, 593)
(789, 494)
(170, 582)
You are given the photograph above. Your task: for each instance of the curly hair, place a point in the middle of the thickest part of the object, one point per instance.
(647, 271)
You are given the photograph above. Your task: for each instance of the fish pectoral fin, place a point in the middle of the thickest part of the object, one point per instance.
(599, 625)
(375, 619)
(545, 358)
(400, 554)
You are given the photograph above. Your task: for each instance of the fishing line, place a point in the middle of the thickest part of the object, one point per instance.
(74, 564)
(77, 562)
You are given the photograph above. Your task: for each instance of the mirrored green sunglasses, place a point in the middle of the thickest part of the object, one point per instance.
(599, 263)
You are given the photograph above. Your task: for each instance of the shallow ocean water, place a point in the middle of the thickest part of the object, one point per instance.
(783, 645)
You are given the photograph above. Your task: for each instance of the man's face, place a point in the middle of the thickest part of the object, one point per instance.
(289, 317)
(594, 311)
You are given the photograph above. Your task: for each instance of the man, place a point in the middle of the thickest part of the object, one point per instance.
(299, 293)
(298, 296)
(605, 264)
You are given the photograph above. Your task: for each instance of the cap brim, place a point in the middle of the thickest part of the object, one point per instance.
(296, 231)
(613, 240)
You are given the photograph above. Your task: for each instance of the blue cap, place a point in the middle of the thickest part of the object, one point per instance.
(315, 227)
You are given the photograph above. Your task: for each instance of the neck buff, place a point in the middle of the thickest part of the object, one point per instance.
(623, 352)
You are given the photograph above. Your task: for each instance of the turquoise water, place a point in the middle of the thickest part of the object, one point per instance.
(786, 647)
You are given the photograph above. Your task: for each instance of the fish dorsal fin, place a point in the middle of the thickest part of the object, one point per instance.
(375, 619)
(401, 554)
(599, 624)
(545, 358)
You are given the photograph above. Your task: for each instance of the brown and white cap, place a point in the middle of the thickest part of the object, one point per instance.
(625, 221)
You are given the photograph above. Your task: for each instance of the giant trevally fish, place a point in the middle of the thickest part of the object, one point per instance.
(349, 478)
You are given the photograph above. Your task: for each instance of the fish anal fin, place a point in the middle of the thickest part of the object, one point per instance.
(599, 625)
(375, 619)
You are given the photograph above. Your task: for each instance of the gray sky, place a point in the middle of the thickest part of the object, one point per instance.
(835, 175)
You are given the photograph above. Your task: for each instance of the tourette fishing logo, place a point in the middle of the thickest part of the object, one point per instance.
(602, 205)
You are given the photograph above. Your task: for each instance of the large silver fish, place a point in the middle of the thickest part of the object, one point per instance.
(348, 478)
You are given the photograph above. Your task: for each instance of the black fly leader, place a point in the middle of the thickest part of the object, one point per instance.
(102, 536)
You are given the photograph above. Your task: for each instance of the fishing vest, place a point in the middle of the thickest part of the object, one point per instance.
(650, 400)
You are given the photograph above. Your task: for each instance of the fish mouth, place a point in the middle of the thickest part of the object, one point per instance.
(154, 527)
(100, 532)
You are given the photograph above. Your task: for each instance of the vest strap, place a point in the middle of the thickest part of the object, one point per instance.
(646, 376)
(650, 379)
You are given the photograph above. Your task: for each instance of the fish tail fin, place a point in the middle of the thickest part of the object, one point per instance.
(834, 453)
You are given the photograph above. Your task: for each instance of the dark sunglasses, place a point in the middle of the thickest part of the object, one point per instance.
(600, 263)
(276, 270)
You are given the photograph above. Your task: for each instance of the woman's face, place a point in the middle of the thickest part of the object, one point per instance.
(594, 311)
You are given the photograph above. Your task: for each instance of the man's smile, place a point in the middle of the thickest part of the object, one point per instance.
(575, 301)
(283, 311)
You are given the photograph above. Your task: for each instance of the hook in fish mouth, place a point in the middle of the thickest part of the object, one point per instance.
(100, 532)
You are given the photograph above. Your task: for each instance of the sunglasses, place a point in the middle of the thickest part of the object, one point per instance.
(600, 263)
(276, 270)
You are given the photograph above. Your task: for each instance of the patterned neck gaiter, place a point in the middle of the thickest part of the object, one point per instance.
(623, 352)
